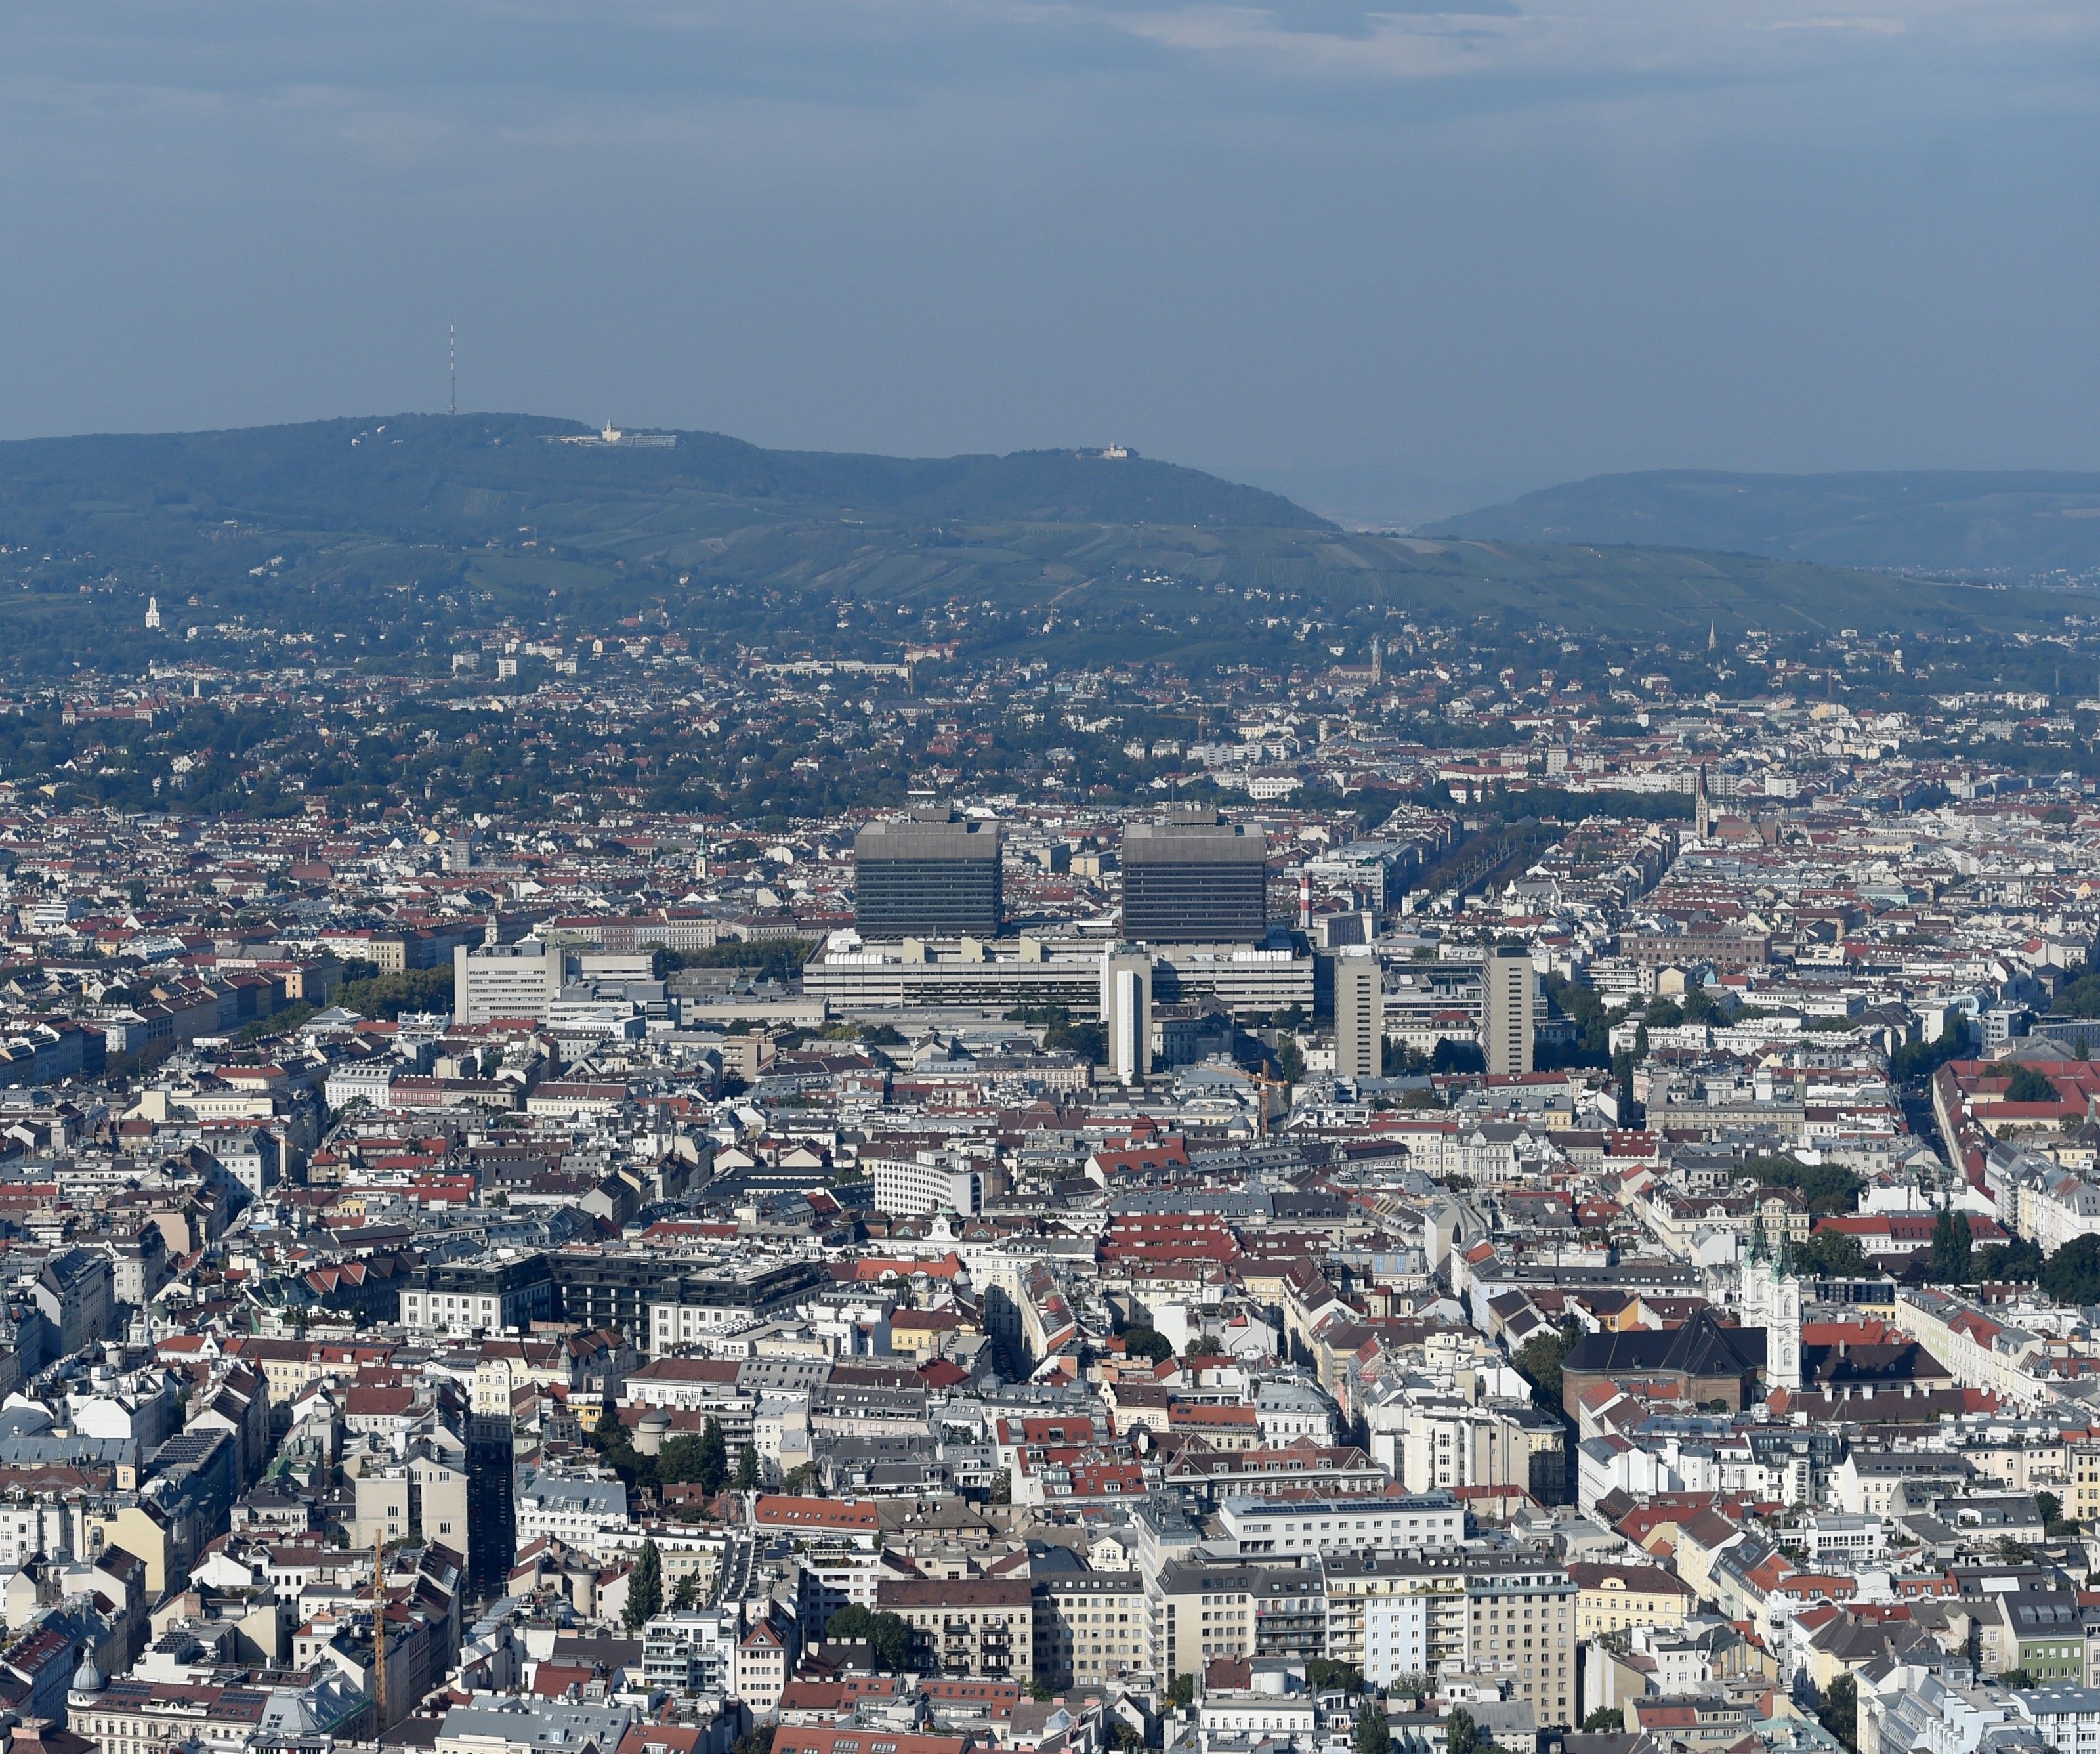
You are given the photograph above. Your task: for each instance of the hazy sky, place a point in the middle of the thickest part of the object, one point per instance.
(1396, 260)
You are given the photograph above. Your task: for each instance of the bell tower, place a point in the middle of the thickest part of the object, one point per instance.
(1772, 1300)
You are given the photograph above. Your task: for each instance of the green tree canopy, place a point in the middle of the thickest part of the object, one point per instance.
(1839, 1711)
(771, 958)
(1449, 1056)
(1921, 1059)
(2072, 1274)
(1060, 1034)
(1951, 1248)
(2017, 1259)
(386, 997)
(2030, 1084)
(1539, 1357)
(1823, 1187)
(1592, 1018)
(1832, 1254)
(1396, 1060)
(2080, 998)
(1325, 1675)
(1373, 1734)
(713, 1455)
(1148, 1343)
(886, 1632)
(645, 1589)
(703, 1460)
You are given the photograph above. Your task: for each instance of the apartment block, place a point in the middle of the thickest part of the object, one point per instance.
(983, 1627)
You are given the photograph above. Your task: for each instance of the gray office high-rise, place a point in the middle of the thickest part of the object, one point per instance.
(1359, 1013)
(931, 874)
(1509, 1010)
(1195, 879)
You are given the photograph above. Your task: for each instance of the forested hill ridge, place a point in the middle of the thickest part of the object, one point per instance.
(442, 477)
(394, 541)
(2026, 526)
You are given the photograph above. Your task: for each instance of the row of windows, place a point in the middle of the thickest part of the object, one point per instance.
(125, 1727)
(1378, 1522)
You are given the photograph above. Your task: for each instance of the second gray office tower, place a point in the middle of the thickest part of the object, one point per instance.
(1195, 879)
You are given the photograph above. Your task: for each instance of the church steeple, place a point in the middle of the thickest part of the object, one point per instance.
(1772, 1300)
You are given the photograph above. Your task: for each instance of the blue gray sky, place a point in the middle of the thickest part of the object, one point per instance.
(1395, 259)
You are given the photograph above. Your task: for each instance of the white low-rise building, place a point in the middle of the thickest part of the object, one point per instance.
(1835, 1540)
(1263, 1526)
(1256, 1715)
(571, 1510)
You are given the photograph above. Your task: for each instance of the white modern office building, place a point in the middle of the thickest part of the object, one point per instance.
(523, 980)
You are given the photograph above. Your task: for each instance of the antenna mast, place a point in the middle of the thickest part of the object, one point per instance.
(452, 350)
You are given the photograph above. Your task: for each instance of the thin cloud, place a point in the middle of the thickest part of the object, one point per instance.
(560, 68)
(1584, 37)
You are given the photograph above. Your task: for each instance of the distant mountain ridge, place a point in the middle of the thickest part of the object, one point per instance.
(2015, 525)
(391, 539)
(421, 475)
